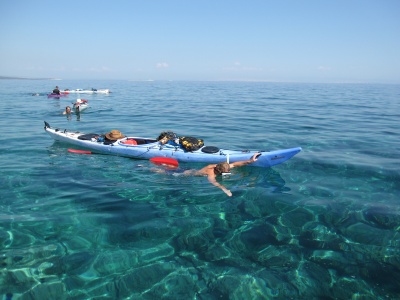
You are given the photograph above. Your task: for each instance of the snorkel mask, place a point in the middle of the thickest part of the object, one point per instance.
(226, 173)
(221, 172)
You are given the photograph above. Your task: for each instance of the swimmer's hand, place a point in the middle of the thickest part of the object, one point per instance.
(255, 156)
(228, 192)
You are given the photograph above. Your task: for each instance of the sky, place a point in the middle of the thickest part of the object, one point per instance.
(339, 41)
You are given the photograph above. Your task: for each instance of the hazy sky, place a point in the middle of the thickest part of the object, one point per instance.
(261, 40)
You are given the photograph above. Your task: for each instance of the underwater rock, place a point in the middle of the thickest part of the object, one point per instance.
(366, 234)
(185, 287)
(223, 285)
(220, 233)
(260, 237)
(257, 207)
(6, 238)
(334, 260)
(351, 288)
(74, 284)
(79, 242)
(216, 253)
(194, 242)
(53, 290)
(160, 252)
(278, 285)
(253, 288)
(144, 278)
(278, 206)
(382, 217)
(317, 236)
(278, 257)
(77, 263)
(311, 280)
(234, 220)
(335, 218)
(263, 286)
(20, 279)
(150, 229)
(108, 263)
(391, 255)
(387, 277)
(296, 218)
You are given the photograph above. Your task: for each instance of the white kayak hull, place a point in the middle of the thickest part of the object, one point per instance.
(79, 91)
(80, 108)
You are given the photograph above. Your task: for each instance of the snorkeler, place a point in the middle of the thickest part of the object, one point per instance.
(223, 168)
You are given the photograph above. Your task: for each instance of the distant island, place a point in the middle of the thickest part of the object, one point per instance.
(26, 78)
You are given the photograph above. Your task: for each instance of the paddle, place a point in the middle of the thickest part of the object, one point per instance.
(165, 161)
(79, 151)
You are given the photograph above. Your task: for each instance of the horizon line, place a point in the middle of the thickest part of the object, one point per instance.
(216, 80)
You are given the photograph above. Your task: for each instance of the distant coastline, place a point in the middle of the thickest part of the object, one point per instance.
(26, 78)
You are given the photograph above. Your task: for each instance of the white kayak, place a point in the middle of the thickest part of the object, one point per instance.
(80, 105)
(80, 108)
(92, 91)
(147, 148)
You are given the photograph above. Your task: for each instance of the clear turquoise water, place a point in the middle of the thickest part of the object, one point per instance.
(324, 225)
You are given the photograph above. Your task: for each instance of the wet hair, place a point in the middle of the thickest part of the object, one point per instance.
(223, 167)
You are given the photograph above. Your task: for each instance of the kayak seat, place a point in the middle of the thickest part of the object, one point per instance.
(129, 142)
(88, 137)
(145, 141)
(210, 149)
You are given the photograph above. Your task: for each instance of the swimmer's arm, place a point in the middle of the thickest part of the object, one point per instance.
(244, 162)
(215, 183)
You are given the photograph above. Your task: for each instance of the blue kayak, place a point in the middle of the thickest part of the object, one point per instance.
(147, 148)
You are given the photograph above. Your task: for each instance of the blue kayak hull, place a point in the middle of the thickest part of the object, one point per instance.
(153, 148)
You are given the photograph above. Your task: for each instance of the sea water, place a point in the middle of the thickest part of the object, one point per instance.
(323, 225)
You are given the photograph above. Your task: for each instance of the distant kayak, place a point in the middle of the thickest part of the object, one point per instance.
(92, 91)
(80, 108)
(80, 105)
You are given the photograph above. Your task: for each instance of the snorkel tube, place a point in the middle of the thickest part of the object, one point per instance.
(227, 160)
